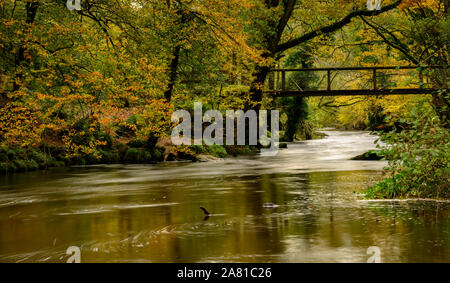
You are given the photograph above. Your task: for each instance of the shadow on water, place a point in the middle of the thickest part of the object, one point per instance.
(151, 213)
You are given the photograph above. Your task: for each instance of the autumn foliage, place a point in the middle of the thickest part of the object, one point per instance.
(81, 85)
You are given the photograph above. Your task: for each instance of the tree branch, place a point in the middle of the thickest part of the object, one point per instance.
(398, 45)
(335, 26)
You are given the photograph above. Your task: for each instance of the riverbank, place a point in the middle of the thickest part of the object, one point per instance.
(23, 160)
(407, 200)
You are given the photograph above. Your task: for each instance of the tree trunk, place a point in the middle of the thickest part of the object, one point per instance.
(257, 85)
(441, 105)
(31, 11)
(173, 68)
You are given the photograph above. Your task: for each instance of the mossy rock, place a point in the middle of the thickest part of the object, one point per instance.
(197, 148)
(186, 156)
(146, 156)
(218, 151)
(157, 154)
(171, 157)
(236, 150)
(110, 157)
(20, 166)
(370, 155)
(39, 157)
(31, 165)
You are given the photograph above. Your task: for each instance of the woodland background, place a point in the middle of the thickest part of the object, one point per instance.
(99, 85)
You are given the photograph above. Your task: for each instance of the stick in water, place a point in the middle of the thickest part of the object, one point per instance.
(205, 211)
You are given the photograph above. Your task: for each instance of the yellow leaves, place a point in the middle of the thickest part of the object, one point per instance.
(154, 119)
(432, 4)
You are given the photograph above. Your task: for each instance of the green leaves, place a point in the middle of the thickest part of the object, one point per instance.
(418, 159)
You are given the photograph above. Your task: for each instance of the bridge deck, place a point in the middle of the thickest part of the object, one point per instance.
(375, 89)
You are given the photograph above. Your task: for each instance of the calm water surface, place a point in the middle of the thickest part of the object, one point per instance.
(151, 213)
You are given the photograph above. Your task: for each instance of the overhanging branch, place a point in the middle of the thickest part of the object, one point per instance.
(335, 26)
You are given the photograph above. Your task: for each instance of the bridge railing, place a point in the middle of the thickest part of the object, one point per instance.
(375, 80)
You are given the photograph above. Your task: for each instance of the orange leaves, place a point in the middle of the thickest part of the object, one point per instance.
(19, 126)
(9, 23)
(154, 119)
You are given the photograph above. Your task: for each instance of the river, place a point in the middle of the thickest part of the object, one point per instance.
(150, 213)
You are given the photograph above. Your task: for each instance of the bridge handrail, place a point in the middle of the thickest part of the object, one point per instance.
(361, 68)
(373, 69)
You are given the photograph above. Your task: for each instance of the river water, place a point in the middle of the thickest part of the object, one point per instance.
(150, 213)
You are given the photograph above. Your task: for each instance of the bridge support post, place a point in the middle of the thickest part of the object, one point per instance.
(328, 80)
(374, 79)
(283, 81)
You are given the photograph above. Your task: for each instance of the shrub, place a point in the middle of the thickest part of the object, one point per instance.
(197, 148)
(236, 150)
(20, 166)
(93, 159)
(31, 165)
(3, 154)
(4, 167)
(158, 154)
(146, 156)
(122, 149)
(136, 143)
(131, 156)
(85, 138)
(12, 154)
(39, 157)
(419, 160)
(110, 157)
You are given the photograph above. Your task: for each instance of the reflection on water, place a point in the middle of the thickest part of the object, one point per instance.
(151, 213)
